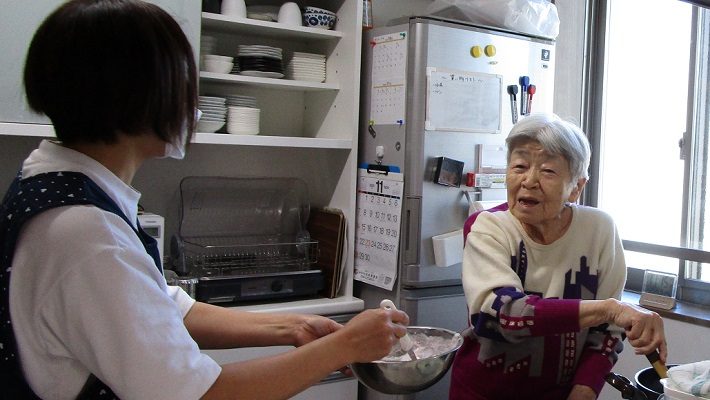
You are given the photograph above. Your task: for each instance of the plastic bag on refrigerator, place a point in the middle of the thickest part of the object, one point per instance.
(534, 17)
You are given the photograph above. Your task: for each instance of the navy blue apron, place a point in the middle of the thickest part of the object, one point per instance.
(24, 199)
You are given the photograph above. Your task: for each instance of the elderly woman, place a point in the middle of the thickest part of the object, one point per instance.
(542, 280)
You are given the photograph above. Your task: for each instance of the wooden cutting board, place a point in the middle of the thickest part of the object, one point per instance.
(328, 226)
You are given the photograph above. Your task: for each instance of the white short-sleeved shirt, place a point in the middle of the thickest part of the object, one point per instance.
(85, 296)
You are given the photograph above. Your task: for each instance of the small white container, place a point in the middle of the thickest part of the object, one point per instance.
(217, 58)
(219, 67)
(209, 126)
(448, 248)
(234, 8)
(290, 14)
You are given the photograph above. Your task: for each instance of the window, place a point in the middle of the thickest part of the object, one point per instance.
(648, 118)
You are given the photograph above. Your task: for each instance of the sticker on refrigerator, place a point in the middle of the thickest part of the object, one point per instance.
(389, 62)
(463, 101)
(379, 212)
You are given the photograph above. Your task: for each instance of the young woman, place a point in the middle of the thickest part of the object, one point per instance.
(85, 309)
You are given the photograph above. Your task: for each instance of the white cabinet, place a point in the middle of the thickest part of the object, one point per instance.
(18, 22)
(307, 129)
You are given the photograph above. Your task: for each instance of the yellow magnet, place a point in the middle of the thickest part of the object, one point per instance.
(476, 51)
(490, 50)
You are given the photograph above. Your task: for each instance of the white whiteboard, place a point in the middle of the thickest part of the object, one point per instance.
(463, 101)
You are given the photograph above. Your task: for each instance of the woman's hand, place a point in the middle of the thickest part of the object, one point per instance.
(313, 327)
(581, 392)
(371, 334)
(644, 328)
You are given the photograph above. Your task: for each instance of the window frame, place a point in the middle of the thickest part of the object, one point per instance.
(596, 28)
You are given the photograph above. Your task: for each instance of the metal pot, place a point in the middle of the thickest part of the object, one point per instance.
(647, 386)
(649, 382)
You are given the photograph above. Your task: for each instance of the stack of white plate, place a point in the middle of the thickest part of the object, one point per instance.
(306, 67)
(241, 101)
(260, 61)
(214, 113)
(243, 120)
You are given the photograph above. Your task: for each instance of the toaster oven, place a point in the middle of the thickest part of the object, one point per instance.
(154, 225)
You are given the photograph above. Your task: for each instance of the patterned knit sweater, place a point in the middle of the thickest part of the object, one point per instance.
(523, 300)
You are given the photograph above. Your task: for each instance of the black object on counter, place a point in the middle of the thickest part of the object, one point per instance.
(212, 6)
(448, 172)
(624, 385)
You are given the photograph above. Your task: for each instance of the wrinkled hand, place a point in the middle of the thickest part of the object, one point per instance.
(644, 329)
(372, 333)
(313, 327)
(581, 392)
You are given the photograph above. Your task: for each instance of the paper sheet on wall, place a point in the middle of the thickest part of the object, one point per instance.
(389, 62)
(379, 212)
(463, 101)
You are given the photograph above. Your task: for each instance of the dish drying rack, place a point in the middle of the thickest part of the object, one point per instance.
(245, 239)
(221, 258)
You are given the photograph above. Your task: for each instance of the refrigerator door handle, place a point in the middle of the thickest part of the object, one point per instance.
(412, 231)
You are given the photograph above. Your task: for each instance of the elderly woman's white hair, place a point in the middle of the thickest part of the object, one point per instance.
(556, 137)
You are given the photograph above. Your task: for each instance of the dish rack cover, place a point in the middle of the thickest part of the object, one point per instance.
(231, 218)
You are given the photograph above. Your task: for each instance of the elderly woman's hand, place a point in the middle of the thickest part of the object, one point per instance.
(644, 328)
(581, 392)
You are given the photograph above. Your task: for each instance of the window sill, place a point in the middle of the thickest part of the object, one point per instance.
(685, 312)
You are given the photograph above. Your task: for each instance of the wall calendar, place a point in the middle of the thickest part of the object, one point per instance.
(377, 227)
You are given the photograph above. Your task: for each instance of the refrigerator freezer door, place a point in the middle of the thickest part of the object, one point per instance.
(447, 46)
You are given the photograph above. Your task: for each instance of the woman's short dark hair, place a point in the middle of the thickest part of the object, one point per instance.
(100, 67)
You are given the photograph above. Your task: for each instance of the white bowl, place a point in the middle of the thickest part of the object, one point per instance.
(217, 58)
(220, 67)
(310, 9)
(209, 126)
(319, 20)
(289, 14)
(672, 393)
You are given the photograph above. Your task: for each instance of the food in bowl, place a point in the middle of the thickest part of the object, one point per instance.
(398, 374)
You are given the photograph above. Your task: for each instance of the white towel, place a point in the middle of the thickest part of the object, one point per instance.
(693, 378)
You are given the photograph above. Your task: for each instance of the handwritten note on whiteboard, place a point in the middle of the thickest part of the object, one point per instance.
(379, 212)
(463, 101)
(389, 62)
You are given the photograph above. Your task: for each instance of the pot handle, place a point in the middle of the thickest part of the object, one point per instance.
(623, 385)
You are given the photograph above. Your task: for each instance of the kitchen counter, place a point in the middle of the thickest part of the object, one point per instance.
(322, 306)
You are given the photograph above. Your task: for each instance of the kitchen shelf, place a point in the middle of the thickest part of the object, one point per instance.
(250, 26)
(29, 129)
(322, 306)
(282, 84)
(272, 141)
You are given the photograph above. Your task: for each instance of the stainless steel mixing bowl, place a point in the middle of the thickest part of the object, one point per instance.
(405, 377)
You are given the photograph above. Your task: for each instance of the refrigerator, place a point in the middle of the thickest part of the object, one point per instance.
(435, 99)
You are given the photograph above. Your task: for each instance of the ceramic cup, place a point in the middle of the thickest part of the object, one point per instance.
(234, 8)
(290, 14)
